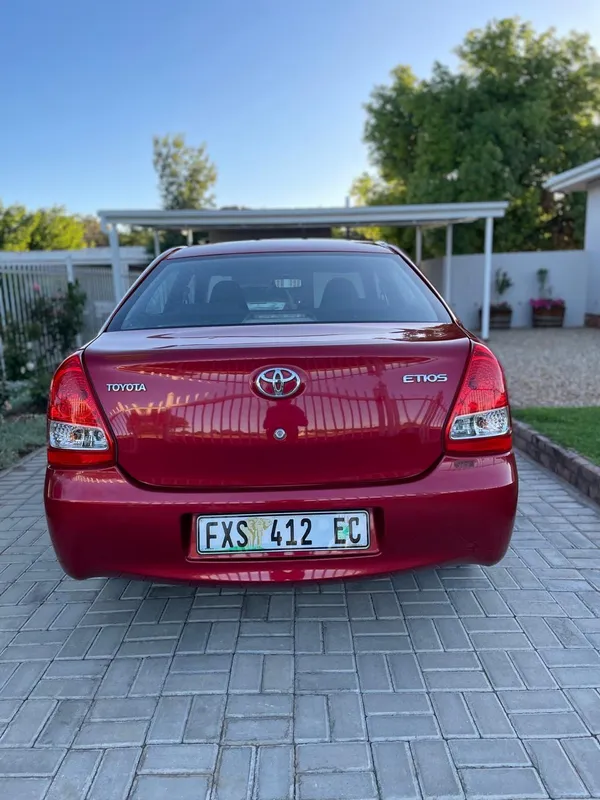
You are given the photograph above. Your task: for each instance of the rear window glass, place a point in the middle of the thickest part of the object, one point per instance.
(279, 288)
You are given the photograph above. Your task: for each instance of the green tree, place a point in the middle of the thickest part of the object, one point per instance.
(186, 175)
(521, 107)
(46, 229)
(16, 227)
(93, 234)
(141, 237)
(56, 230)
(367, 190)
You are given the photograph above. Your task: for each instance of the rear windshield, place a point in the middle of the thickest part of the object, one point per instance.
(279, 288)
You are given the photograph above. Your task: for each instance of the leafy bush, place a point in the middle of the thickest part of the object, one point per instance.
(4, 395)
(502, 283)
(32, 350)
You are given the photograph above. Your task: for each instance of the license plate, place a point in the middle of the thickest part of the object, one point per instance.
(338, 530)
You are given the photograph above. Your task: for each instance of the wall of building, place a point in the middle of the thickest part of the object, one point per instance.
(592, 246)
(568, 276)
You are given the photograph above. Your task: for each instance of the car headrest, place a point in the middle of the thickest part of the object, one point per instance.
(230, 294)
(338, 293)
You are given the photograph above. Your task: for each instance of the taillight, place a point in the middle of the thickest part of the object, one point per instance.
(480, 420)
(77, 433)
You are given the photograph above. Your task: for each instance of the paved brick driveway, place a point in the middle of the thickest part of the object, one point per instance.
(439, 684)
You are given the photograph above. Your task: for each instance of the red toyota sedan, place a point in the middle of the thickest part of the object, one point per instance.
(279, 410)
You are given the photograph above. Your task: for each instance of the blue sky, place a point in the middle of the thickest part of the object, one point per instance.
(274, 87)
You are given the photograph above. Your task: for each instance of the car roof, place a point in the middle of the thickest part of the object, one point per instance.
(279, 246)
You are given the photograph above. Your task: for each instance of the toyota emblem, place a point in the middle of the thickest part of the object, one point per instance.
(277, 382)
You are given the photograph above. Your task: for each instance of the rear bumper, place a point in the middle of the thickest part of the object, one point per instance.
(102, 524)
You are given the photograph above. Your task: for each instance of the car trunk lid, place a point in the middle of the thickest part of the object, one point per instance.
(186, 413)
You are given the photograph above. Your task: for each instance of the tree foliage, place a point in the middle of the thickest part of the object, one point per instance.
(186, 175)
(56, 230)
(140, 237)
(16, 227)
(521, 107)
(44, 229)
(367, 190)
(93, 235)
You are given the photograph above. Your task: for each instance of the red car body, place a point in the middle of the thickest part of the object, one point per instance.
(366, 428)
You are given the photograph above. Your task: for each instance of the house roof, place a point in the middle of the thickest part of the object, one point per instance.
(576, 179)
(429, 215)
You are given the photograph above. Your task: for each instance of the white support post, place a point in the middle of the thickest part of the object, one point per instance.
(156, 243)
(190, 237)
(487, 278)
(448, 266)
(419, 247)
(117, 275)
(70, 269)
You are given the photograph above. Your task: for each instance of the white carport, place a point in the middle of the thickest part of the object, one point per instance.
(577, 179)
(304, 220)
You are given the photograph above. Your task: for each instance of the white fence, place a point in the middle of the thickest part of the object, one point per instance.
(21, 274)
(568, 276)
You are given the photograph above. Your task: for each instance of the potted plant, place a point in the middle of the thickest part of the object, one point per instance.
(501, 310)
(546, 311)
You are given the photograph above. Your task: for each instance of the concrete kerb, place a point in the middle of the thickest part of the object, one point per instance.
(567, 464)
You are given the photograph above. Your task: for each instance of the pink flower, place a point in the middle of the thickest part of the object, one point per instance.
(36, 287)
(547, 302)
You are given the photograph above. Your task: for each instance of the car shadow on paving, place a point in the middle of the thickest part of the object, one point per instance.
(456, 682)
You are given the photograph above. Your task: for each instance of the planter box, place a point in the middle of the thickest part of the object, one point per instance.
(547, 317)
(500, 319)
(592, 321)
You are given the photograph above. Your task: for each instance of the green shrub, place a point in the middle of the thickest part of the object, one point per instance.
(33, 350)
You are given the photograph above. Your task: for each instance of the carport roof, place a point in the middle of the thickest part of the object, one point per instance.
(576, 179)
(429, 215)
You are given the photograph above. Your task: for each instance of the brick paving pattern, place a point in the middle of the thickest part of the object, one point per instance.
(450, 683)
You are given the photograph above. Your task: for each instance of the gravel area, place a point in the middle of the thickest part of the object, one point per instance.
(550, 367)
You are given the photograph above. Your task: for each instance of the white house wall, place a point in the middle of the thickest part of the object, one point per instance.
(592, 246)
(568, 276)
